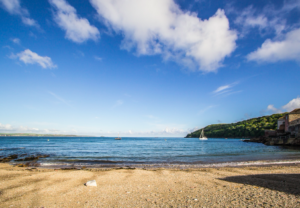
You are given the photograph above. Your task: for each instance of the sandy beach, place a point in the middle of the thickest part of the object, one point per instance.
(273, 186)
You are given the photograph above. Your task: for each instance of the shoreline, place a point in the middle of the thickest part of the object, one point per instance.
(169, 166)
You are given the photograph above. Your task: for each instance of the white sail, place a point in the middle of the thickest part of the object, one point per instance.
(202, 137)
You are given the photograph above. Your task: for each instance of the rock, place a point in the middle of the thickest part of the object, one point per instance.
(91, 183)
(30, 158)
(13, 157)
(8, 159)
(43, 156)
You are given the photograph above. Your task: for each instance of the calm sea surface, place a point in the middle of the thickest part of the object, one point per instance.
(133, 150)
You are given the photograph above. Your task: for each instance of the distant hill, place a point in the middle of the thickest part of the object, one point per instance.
(36, 135)
(250, 128)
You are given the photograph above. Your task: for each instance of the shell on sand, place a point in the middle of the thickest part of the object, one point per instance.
(91, 183)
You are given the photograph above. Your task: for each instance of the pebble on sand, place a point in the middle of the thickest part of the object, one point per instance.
(91, 183)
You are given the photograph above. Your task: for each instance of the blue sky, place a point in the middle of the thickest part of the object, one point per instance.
(145, 67)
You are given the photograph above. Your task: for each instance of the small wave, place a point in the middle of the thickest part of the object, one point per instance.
(13, 148)
(167, 165)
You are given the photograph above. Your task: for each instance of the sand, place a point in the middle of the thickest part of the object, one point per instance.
(274, 186)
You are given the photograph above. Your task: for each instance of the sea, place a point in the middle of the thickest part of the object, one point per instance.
(106, 152)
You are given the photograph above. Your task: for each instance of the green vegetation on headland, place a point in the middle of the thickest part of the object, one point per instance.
(244, 129)
(36, 135)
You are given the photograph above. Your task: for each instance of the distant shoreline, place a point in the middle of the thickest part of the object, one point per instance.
(39, 135)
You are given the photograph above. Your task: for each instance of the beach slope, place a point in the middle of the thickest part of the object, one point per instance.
(271, 186)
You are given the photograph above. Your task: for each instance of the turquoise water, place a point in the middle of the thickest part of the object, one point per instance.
(128, 151)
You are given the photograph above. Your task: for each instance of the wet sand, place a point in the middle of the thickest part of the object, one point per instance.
(272, 186)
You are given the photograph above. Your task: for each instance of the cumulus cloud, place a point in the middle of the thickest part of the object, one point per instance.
(293, 104)
(14, 7)
(272, 108)
(161, 27)
(285, 45)
(29, 57)
(77, 29)
(278, 50)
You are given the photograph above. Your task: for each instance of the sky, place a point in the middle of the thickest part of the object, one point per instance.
(145, 67)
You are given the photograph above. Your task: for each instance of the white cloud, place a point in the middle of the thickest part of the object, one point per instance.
(270, 20)
(5, 127)
(14, 7)
(225, 89)
(29, 21)
(29, 57)
(77, 29)
(173, 131)
(10, 128)
(8, 47)
(272, 108)
(280, 50)
(161, 27)
(293, 104)
(247, 18)
(193, 129)
(16, 40)
(267, 21)
(289, 5)
(167, 131)
(221, 88)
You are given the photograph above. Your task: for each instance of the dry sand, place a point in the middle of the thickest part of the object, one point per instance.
(274, 186)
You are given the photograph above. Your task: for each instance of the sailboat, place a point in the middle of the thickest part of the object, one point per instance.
(118, 138)
(202, 137)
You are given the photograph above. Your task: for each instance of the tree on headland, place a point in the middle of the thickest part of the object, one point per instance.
(244, 129)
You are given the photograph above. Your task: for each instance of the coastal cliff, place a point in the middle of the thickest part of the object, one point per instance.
(251, 128)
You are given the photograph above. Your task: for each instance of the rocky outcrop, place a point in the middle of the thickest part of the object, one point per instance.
(15, 158)
(30, 158)
(276, 141)
(8, 159)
